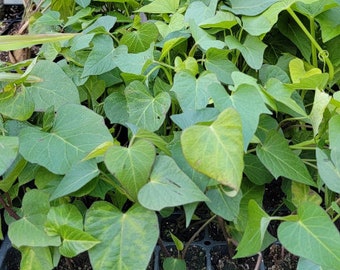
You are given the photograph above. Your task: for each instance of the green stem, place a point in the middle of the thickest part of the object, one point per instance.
(314, 53)
(314, 43)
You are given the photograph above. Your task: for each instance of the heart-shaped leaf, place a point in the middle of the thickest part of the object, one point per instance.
(168, 186)
(145, 110)
(217, 150)
(131, 166)
(76, 132)
(323, 244)
(121, 234)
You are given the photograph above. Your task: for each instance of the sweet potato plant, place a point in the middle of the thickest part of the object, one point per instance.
(131, 108)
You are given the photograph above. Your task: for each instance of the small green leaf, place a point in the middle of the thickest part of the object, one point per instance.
(145, 110)
(168, 186)
(131, 166)
(8, 151)
(217, 150)
(323, 245)
(302, 193)
(222, 19)
(255, 170)
(121, 234)
(173, 263)
(36, 258)
(29, 230)
(83, 3)
(178, 243)
(18, 105)
(252, 49)
(115, 107)
(277, 157)
(321, 100)
(141, 39)
(223, 205)
(77, 177)
(255, 237)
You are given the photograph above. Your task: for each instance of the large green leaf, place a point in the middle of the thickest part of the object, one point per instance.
(193, 94)
(36, 258)
(221, 19)
(168, 186)
(131, 166)
(204, 9)
(17, 103)
(8, 151)
(115, 107)
(277, 157)
(255, 170)
(78, 176)
(29, 230)
(145, 110)
(250, 7)
(223, 205)
(141, 39)
(76, 132)
(249, 103)
(255, 237)
(45, 94)
(127, 239)
(328, 171)
(329, 23)
(160, 6)
(252, 49)
(308, 237)
(217, 150)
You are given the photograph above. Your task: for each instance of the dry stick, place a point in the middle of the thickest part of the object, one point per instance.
(258, 262)
(163, 248)
(195, 235)
(9, 209)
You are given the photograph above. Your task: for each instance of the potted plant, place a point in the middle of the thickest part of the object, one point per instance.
(131, 109)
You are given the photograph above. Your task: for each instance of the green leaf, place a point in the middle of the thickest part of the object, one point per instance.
(75, 241)
(141, 39)
(302, 193)
(218, 63)
(8, 151)
(334, 133)
(204, 10)
(173, 263)
(76, 132)
(252, 49)
(305, 264)
(45, 94)
(178, 243)
(328, 171)
(193, 94)
(311, 10)
(64, 7)
(160, 6)
(17, 103)
(121, 234)
(255, 237)
(83, 3)
(323, 245)
(29, 230)
(223, 205)
(321, 100)
(250, 7)
(277, 157)
(168, 186)
(115, 107)
(293, 32)
(221, 19)
(12, 173)
(255, 171)
(145, 110)
(36, 258)
(77, 177)
(15, 42)
(249, 103)
(217, 150)
(329, 23)
(154, 139)
(131, 166)
(203, 39)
